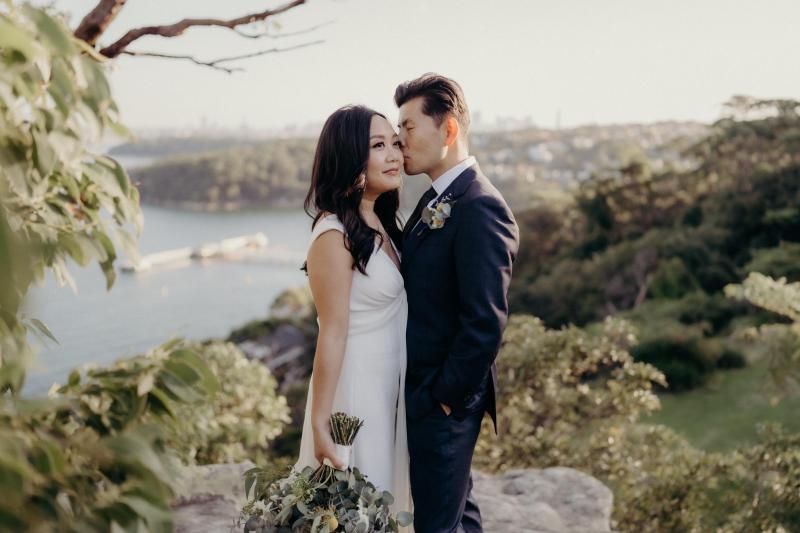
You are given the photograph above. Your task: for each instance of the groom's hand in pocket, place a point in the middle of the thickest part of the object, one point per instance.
(445, 408)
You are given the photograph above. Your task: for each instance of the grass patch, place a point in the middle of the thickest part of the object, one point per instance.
(723, 413)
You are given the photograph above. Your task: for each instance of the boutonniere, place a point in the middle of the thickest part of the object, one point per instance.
(435, 216)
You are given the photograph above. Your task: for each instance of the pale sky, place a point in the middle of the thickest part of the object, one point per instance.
(597, 61)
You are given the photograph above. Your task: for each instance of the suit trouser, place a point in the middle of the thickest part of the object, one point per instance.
(440, 450)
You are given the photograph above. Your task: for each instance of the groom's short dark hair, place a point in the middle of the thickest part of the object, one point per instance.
(442, 95)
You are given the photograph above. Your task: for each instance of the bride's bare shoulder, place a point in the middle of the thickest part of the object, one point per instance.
(328, 235)
(328, 253)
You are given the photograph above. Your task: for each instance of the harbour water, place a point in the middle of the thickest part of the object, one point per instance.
(194, 299)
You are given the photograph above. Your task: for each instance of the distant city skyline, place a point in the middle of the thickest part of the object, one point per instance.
(546, 63)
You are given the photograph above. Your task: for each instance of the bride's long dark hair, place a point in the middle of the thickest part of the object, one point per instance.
(336, 187)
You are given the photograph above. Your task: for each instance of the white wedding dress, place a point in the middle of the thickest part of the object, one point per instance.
(373, 371)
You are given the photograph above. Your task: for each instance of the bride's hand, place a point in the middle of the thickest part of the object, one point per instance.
(325, 447)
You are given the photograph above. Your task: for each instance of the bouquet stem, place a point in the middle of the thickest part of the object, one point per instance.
(344, 429)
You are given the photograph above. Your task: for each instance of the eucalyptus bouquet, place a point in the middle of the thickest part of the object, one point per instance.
(321, 500)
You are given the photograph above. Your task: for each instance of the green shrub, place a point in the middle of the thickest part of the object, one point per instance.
(715, 310)
(701, 250)
(62, 201)
(693, 216)
(779, 342)
(781, 261)
(661, 318)
(730, 358)
(662, 263)
(572, 397)
(241, 420)
(672, 280)
(106, 448)
(557, 388)
(95, 457)
(294, 306)
(662, 484)
(100, 455)
(685, 363)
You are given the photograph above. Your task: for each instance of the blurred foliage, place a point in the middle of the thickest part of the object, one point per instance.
(107, 448)
(573, 397)
(580, 291)
(95, 456)
(756, 136)
(686, 364)
(618, 207)
(560, 389)
(640, 235)
(730, 358)
(672, 280)
(167, 145)
(289, 334)
(273, 173)
(780, 342)
(54, 102)
(662, 484)
(238, 423)
(295, 304)
(103, 452)
(662, 249)
(510, 157)
(782, 261)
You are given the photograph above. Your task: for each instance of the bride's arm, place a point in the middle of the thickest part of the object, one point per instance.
(330, 275)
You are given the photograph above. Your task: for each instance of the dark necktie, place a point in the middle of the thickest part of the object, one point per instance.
(429, 195)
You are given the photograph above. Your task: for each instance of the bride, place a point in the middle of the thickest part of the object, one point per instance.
(353, 267)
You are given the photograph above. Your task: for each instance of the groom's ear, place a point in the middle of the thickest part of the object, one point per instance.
(452, 130)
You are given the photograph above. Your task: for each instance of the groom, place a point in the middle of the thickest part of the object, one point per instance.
(458, 248)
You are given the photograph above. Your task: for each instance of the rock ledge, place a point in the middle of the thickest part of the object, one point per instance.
(550, 500)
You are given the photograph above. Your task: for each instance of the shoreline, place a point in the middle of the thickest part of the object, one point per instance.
(222, 207)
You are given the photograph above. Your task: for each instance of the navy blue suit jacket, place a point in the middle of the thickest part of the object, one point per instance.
(457, 279)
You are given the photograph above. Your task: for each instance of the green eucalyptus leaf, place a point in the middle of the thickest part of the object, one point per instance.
(74, 378)
(43, 153)
(248, 484)
(104, 177)
(163, 400)
(12, 37)
(146, 510)
(73, 247)
(71, 185)
(65, 145)
(405, 518)
(206, 379)
(44, 329)
(53, 34)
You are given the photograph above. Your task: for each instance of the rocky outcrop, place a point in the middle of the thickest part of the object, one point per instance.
(551, 500)
(211, 497)
(285, 340)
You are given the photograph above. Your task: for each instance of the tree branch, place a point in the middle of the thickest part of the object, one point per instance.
(281, 35)
(98, 19)
(215, 64)
(178, 28)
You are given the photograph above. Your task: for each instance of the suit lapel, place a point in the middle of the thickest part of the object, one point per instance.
(456, 189)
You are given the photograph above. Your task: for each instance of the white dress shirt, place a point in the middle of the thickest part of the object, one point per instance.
(441, 183)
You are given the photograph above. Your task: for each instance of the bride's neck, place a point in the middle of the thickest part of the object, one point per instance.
(367, 207)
